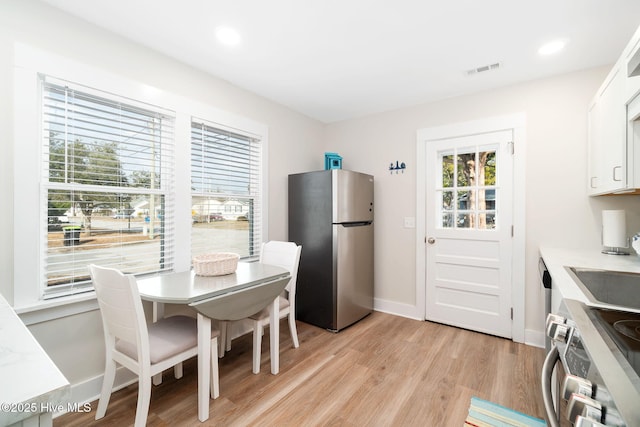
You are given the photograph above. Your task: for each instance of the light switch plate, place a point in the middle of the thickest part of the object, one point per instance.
(409, 222)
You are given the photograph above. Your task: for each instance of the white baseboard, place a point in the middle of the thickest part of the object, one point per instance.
(534, 338)
(398, 309)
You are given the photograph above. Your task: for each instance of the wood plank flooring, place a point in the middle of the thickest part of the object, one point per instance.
(383, 371)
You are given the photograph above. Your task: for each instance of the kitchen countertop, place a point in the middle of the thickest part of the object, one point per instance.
(31, 383)
(556, 259)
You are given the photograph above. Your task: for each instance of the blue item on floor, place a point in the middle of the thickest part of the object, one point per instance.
(483, 413)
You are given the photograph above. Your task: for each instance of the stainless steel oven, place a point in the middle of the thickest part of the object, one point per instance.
(546, 282)
(599, 350)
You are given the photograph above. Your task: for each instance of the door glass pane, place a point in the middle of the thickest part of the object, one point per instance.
(466, 169)
(447, 199)
(464, 220)
(447, 220)
(447, 171)
(465, 200)
(487, 199)
(487, 168)
(487, 220)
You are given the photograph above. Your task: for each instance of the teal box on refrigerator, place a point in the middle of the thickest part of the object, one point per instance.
(332, 161)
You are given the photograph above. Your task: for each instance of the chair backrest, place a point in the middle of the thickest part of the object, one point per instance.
(120, 308)
(286, 255)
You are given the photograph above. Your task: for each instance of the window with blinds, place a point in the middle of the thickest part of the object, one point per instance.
(226, 200)
(108, 172)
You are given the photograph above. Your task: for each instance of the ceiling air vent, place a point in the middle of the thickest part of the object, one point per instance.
(483, 69)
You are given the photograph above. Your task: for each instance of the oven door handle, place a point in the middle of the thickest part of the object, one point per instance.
(547, 371)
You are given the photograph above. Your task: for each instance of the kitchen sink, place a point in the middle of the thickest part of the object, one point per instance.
(614, 289)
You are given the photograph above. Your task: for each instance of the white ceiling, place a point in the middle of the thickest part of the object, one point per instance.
(339, 59)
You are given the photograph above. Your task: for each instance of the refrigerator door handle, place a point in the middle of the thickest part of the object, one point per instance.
(354, 224)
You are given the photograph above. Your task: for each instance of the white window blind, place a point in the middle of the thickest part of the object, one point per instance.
(226, 179)
(107, 186)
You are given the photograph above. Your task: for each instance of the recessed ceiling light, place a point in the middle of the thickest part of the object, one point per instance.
(552, 47)
(228, 36)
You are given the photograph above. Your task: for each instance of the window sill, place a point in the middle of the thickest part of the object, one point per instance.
(46, 310)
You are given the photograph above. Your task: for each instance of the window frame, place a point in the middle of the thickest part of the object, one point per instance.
(89, 98)
(455, 189)
(27, 141)
(254, 171)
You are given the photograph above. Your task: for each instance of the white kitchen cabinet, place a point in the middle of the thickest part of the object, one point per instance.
(632, 58)
(614, 128)
(607, 136)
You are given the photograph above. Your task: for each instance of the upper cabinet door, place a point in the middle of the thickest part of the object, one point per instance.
(614, 135)
(632, 67)
(607, 136)
(594, 149)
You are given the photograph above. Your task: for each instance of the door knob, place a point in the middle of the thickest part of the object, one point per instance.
(431, 240)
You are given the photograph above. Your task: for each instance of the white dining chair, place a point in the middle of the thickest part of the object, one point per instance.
(286, 255)
(145, 349)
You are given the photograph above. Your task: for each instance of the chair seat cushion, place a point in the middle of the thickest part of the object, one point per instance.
(264, 313)
(167, 337)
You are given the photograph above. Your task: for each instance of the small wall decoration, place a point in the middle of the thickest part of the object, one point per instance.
(397, 167)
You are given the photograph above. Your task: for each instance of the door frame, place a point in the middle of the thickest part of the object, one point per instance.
(517, 123)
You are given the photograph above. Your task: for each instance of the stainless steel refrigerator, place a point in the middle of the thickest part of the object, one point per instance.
(331, 216)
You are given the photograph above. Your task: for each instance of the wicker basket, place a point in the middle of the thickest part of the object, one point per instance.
(216, 264)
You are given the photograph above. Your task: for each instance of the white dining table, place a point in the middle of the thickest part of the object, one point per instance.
(190, 289)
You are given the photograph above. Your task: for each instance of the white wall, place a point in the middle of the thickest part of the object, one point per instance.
(558, 210)
(75, 342)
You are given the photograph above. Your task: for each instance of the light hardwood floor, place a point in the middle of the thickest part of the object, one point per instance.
(383, 371)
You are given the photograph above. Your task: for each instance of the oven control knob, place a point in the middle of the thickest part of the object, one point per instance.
(553, 320)
(584, 406)
(574, 384)
(561, 333)
(584, 422)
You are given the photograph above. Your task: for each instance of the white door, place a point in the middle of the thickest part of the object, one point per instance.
(469, 231)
